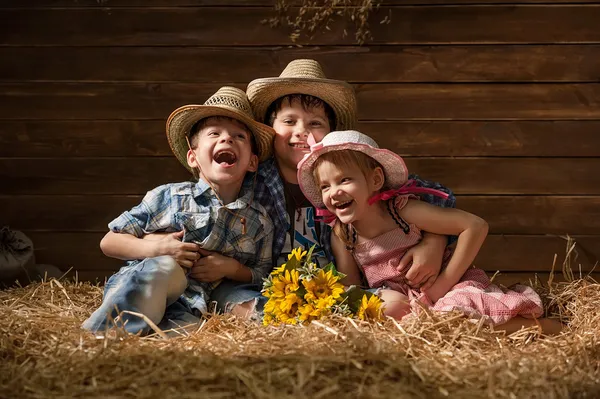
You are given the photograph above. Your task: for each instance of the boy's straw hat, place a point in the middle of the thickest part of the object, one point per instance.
(393, 166)
(227, 101)
(305, 77)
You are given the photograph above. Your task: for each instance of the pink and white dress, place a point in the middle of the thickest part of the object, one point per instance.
(473, 295)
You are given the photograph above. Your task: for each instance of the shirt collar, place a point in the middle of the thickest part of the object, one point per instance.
(203, 189)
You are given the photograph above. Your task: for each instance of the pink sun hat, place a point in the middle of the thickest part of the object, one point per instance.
(394, 168)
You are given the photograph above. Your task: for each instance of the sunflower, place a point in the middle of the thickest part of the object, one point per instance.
(285, 284)
(278, 270)
(267, 319)
(273, 306)
(310, 311)
(307, 312)
(297, 253)
(370, 308)
(322, 286)
(288, 311)
(326, 303)
(291, 302)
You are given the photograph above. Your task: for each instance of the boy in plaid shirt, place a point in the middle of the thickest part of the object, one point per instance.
(214, 223)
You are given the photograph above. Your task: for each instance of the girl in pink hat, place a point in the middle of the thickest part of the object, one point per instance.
(363, 192)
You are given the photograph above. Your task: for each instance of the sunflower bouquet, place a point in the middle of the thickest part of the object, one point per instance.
(299, 291)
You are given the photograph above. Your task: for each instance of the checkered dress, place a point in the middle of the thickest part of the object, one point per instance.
(473, 295)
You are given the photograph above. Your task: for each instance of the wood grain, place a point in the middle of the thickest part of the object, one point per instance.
(204, 26)
(486, 63)
(84, 101)
(241, 3)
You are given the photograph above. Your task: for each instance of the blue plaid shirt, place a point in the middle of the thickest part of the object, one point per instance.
(269, 191)
(193, 207)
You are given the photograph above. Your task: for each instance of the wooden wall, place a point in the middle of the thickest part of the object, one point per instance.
(501, 102)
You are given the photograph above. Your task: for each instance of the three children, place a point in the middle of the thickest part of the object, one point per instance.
(232, 226)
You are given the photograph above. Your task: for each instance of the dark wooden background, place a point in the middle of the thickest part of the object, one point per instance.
(499, 101)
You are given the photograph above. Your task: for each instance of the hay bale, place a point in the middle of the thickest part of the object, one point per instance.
(43, 352)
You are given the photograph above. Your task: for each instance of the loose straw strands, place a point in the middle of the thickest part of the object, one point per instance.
(44, 352)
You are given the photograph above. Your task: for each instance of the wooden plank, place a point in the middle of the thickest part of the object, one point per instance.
(243, 3)
(510, 63)
(83, 138)
(521, 253)
(78, 101)
(478, 101)
(64, 138)
(500, 176)
(64, 212)
(487, 138)
(535, 214)
(204, 26)
(506, 215)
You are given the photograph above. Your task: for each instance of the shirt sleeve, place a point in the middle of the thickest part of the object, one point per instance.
(151, 215)
(264, 263)
(449, 202)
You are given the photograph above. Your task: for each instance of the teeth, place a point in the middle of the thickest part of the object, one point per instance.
(342, 204)
(300, 145)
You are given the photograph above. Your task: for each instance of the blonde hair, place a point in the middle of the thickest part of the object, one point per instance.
(344, 159)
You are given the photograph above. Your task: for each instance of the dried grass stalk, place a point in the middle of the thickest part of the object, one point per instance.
(306, 18)
(44, 352)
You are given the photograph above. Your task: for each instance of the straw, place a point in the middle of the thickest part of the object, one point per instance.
(45, 353)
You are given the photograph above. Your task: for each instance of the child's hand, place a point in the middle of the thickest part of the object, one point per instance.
(185, 253)
(213, 266)
(426, 258)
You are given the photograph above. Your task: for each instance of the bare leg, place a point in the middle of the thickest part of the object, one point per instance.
(244, 310)
(395, 304)
(549, 326)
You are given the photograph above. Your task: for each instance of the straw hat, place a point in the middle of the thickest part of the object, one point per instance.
(393, 166)
(305, 77)
(227, 101)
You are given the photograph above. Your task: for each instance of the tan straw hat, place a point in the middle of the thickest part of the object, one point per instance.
(393, 166)
(228, 102)
(305, 77)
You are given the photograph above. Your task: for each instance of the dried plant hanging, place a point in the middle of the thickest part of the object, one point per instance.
(309, 17)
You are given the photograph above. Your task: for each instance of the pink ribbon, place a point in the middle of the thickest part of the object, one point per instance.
(410, 187)
(323, 215)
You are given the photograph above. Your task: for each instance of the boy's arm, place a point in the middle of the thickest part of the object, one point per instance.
(426, 257)
(471, 231)
(128, 247)
(344, 262)
(151, 215)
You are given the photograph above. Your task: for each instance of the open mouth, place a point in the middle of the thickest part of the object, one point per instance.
(343, 205)
(225, 158)
(300, 146)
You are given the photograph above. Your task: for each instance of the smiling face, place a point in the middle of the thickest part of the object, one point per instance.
(293, 123)
(347, 186)
(222, 150)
